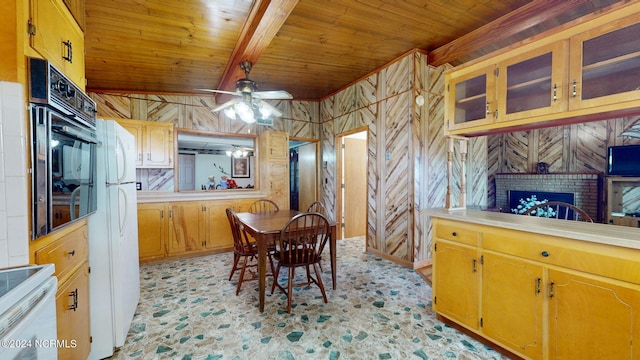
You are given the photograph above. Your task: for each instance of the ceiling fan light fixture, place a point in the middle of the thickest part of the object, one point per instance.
(230, 113)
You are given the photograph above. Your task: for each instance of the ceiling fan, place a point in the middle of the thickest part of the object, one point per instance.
(248, 104)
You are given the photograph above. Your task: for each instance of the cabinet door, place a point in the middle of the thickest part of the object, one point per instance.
(603, 315)
(605, 64)
(512, 295)
(152, 230)
(72, 311)
(136, 131)
(533, 83)
(158, 146)
(218, 231)
(278, 146)
(455, 283)
(58, 38)
(184, 227)
(470, 99)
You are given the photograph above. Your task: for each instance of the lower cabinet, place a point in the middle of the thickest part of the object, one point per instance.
(185, 227)
(539, 296)
(152, 230)
(67, 249)
(72, 304)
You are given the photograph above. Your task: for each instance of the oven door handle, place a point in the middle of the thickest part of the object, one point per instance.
(76, 134)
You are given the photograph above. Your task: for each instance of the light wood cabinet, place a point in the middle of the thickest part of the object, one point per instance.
(538, 296)
(154, 142)
(152, 230)
(72, 304)
(606, 64)
(457, 287)
(274, 166)
(67, 249)
(185, 227)
(619, 189)
(579, 73)
(57, 37)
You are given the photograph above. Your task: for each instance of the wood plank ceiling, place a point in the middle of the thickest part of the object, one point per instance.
(310, 48)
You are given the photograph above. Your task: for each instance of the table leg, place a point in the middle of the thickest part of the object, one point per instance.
(332, 250)
(262, 269)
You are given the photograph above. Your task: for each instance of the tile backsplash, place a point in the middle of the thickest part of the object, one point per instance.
(14, 219)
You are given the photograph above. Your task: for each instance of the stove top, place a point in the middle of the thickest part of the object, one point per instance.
(16, 283)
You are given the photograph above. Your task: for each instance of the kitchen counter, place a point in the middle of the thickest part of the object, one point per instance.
(592, 232)
(205, 195)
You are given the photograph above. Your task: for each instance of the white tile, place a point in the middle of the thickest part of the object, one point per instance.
(3, 225)
(10, 88)
(13, 114)
(16, 196)
(14, 160)
(18, 240)
(4, 254)
(3, 198)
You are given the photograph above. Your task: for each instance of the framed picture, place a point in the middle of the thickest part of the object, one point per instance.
(240, 167)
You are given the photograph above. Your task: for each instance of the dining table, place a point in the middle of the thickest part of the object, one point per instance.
(265, 227)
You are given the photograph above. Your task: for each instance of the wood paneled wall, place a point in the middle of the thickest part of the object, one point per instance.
(406, 152)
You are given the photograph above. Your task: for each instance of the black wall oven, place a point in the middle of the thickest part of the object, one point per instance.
(63, 136)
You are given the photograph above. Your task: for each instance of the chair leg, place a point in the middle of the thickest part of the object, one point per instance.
(235, 265)
(319, 282)
(275, 277)
(241, 279)
(292, 273)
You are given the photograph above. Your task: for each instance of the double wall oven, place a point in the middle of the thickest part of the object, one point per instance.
(63, 139)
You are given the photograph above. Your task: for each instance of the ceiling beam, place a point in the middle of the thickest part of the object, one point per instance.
(263, 23)
(521, 19)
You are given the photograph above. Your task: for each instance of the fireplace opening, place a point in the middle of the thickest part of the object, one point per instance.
(516, 195)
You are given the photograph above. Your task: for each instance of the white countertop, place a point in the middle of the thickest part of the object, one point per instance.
(623, 236)
(200, 195)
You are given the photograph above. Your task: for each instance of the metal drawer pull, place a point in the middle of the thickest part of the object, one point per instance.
(72, 252)
(454, 234)
(74, 294)
(545, 254)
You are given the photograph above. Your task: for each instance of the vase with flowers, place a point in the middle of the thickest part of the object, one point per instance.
(527, 203)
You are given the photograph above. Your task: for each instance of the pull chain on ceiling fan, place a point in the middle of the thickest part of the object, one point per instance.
(249, 104)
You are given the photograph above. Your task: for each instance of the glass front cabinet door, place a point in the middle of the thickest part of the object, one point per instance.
(533, 83)
(471, 99)
(605, 64)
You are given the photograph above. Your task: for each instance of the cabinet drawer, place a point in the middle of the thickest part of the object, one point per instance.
(599, 259)
(67, 253)
(456, 231)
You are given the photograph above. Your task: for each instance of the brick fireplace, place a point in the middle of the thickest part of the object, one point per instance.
(585, 187)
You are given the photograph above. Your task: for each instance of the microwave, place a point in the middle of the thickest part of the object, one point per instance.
(63, 149)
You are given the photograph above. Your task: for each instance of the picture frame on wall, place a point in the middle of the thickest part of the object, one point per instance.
(240, 167)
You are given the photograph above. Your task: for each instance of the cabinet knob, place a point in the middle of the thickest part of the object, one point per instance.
(544, 254)
(454, 234)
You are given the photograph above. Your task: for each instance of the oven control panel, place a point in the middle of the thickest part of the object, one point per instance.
(50, 86)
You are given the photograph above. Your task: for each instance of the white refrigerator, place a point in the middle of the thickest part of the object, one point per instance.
(114, 281)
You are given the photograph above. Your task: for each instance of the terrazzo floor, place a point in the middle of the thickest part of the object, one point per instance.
(380, 310)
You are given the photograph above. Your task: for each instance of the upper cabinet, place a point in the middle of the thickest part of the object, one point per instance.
(606, 66)
(531, 84)
(581, 73)
(154, 142)
(57, 37)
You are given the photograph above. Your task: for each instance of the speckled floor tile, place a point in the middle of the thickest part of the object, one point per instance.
(380, 310)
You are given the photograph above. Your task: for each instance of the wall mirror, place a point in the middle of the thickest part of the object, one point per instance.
(213, 161)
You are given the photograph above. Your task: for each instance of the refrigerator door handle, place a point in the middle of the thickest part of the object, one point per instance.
(123, 166)
(124, 219)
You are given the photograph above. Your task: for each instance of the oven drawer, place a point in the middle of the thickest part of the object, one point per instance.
(67, 253)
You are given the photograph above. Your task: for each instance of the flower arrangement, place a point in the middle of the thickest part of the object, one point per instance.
(526, 204)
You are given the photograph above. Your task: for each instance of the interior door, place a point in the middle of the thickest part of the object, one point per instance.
(308, 181)
(187, 172)
(355, 187)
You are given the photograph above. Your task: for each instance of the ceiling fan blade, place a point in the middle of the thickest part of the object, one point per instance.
(272, 95)
(221, 92)
(225, 105)
(274, 110)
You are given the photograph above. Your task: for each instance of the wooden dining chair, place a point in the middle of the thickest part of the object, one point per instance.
(263, 206)
(299, 246)
(317, 207)
(244, 251)
(558, 210)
